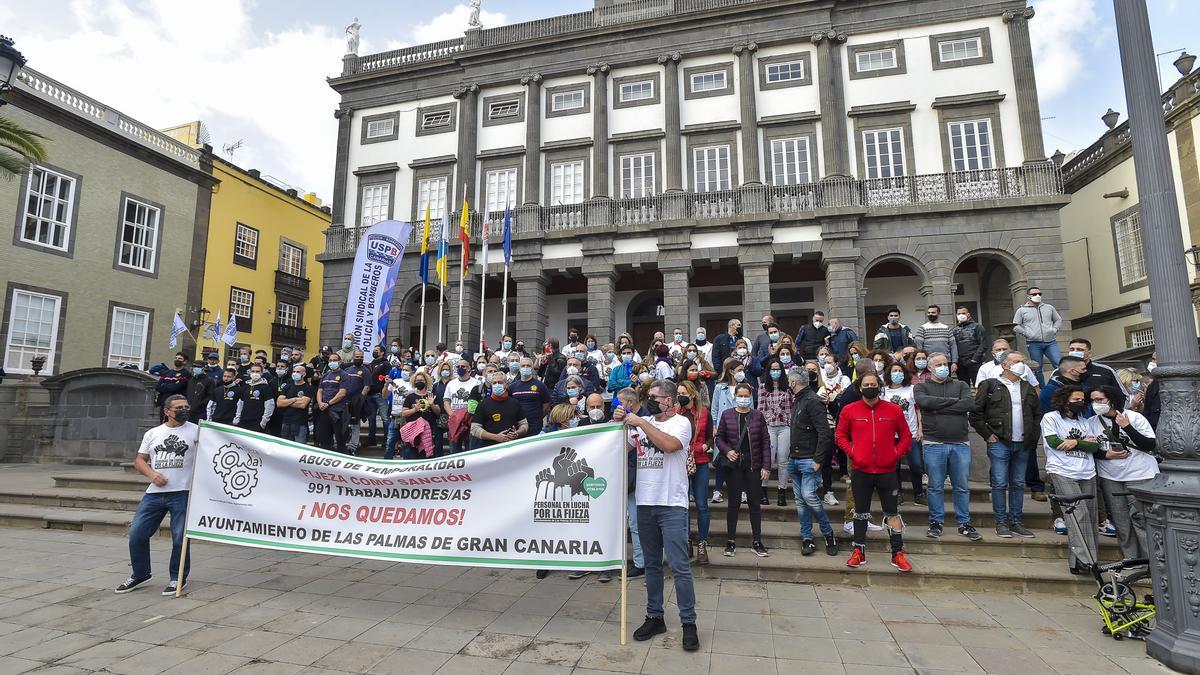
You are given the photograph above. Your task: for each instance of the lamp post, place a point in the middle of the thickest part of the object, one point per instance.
(1171, 501)
(11, 62)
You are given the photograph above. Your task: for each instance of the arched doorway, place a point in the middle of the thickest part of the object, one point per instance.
(645, 317)
(895, 281)
(406, 317)
(996, 280)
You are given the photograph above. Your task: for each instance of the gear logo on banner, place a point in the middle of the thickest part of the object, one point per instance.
(238, 469)
(563, 492)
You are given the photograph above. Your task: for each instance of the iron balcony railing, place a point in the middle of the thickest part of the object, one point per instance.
(872, 194)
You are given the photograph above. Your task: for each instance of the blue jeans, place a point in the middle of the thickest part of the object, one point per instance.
(956, 459)
(639, 560)
(1032, 478)
(1037, 350)
(699, 490)
(391, 437)
(295, 431)
(805, 481)
(666, 527)
(376, 409)
(916, 467)
(1008, 480)
(150, 512)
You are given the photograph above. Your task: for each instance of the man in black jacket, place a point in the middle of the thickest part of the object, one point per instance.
(199, 390)
(811, 448)
(171, 381)
(724, 344)
(1010, 438)
(972, 345)
(812, 336)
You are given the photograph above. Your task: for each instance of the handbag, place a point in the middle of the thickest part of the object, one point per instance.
(719, 458)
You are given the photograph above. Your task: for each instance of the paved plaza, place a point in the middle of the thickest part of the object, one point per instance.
(256, 611)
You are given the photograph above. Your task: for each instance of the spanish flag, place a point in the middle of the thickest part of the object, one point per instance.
(464, 235)
(425, 249)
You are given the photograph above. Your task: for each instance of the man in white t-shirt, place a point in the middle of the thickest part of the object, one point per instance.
(167, 457)
(662, 504)
(458, 397)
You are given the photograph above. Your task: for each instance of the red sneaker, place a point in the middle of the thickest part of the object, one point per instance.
(900, 562)
(857, 559)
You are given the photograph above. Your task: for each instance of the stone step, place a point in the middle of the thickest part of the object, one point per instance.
(102, 480)
(79, 520)
(979, 491)
(1036, 515)
(77, 498)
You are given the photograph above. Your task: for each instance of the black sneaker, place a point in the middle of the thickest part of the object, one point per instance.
(782, 499)
(969, 532)
(807, 547)
(934, 531)
(1021, 531)
(730, 547)
(171, 588)
(831, 545)
(920, 499)
(578, 574)
(130, 584)
(764, 500)
(541, 574)
(635, 572)
(691, 642)
(759, 549)
(605, 577)
(654, 626)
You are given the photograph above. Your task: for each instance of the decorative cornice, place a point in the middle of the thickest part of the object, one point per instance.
(789, 118)
(374, 169)
(673, 57)
(832, 36)
(342, 111)
(710, 126)
(1022, 15)
(535, 78)
(882, 108)
(967, 99)
(432, 161)
(599, 68)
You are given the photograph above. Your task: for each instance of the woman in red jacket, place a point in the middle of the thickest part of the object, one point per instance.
(691, 406)
(745, 447)
(874, 435)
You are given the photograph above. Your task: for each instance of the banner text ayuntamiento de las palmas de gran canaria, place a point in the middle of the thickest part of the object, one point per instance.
(550, 501)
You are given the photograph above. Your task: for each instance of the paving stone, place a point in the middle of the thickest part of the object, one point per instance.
(25, 638)
(523, 668)
(449, 640)
(102, 655)
(730, 664)
(553, 652)
(865, 653)
(1004, 660)
(518, 624)
(925, 657)
(928, 633)
(208, 664)
(303, 650)
(341, 628)
(613, 656)
(206, 637)
(59, 647)
(162, 631)
(497, 645)
(152, 660)
(460, 664)
(16, 666)
(252, 643)
(390, 633)
(410, 662)
(469, 619)
(355, 657)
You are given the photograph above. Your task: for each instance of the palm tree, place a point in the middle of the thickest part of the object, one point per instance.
(18, 147)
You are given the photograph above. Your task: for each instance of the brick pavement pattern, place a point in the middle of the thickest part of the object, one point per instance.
(257, 611)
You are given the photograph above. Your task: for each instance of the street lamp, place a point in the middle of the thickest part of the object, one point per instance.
(1171, 500)
(11, 62)
(1193, 254)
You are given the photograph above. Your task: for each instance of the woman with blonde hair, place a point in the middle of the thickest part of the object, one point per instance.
(857, 351)
(1131, 379)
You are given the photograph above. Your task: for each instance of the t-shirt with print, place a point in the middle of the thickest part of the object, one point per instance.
(458, 393)
(907, 400)
(1138, 465)
(1076, 464)
(662, 478)
(172, 453)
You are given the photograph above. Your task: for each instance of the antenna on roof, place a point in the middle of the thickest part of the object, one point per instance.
(229, 148)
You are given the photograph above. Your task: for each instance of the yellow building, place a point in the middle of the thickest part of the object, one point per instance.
(261, 257)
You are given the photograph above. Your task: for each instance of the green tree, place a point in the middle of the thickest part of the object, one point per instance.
(18, 147)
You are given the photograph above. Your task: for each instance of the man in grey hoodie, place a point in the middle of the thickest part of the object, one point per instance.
(1038, 322)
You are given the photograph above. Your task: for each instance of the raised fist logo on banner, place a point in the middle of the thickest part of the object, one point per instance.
(238, 470)
(566, 472)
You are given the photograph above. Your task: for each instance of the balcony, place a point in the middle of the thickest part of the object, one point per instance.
(292, 286)
(288, 336)
(879, 195)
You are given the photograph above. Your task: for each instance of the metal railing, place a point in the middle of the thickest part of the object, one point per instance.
(1034, 180)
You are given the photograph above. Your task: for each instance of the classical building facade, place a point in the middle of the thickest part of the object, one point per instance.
(1102, 232)
(678, 163)
(103, 235)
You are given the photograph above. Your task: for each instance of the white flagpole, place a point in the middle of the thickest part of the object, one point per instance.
(462, 273)
(482, 284)
(421, 331)
(504, 304)
(442, 278)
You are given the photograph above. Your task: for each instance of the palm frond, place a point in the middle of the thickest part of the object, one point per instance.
(12, 165)
(21, 140)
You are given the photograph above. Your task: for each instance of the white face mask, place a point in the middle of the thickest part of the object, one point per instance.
(644, 377)
(1077, 354)
(1151, 366)
(962, 318)
(572, 370)
(1018, 369)
(596, 414)
(739, 376)
(1101, 409)
(831, 370)
(1035, 298)
(742, 352)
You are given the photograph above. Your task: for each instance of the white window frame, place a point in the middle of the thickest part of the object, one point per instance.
(566, 100)
(502, 110)
(1131, 257)
(137, 344)
(566, 182)
(381, 127)
(144, 244)
(889, 164)
(501, 188)
(287, 314)
(788, 71)
(249, 314)
(289, 262)
(972, 145)
(640, 90)
(21, 351)
(432, 192)
(953, 46)
(709, 80)
(245, 242)
(794, 168)
(375, 200)
(864, 61)
(435, 119)
(637, 175)
(707, 161)
(1142, 337)
(36, 197)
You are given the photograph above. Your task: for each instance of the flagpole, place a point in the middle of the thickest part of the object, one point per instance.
(483, 285)
(421, 331)
(442, 276)
(504, 305)
(462, 276)
(506, 244)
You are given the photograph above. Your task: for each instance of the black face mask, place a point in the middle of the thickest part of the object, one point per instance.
(684, 401)
(420, 385)
(739, 331)
(178, 363)
(358, 362)
(1077, 407)
(932, 318)
(870, 393)
(765, 326)
(653, 407)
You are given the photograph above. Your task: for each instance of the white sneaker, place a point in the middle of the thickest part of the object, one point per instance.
(872, 527)
(1060, 526)
(829, 499)
(849, 526)
(716, 497)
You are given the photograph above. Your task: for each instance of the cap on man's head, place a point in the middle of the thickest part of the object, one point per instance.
(326, 349)
(197, 364)
(213, 357)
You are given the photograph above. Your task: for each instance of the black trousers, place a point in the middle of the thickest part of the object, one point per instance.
(864, 486)
(330, 428)
(737, 479)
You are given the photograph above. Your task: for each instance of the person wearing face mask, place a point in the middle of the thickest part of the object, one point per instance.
(200, 388)
(375, 408)
(551, 362)
(212, 367)
(292, 404)
(331, 418)
(594, 410)
(676, 345)
(812, 336)
(935, 336)
(744, 447)
(422, 402)
(689, 405)
(775, 402)
(971, 342)
(458, 395)
(621, 374)
(703, 345)
(281, 376)
(664, 366)
(763, 342)
(585, 385)
(840, 338)
(882, 360)
(1128, 430)
(258, 401)
(1005, 416)
(993, 367)
(873, 434)
(700, 375)
(856, 353)
(921, 372)
(1072, 450)
(722, 400)
(167, 456)
(810, 447)
(831, 385)
(498, 418)
(944, 405)
(225, 404)
(1038, 322)
(724, 344)
(506, 347)
(893, 335)
(357, 379)
(1095, 374)
(346, 353)
(171, 381)
(898, 388)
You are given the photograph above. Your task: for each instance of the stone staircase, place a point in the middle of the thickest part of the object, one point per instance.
(103, 499)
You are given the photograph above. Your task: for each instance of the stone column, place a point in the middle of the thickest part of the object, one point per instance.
(529, 307)
(833, 102)
(341, 162)
(1028, 110)
(675, 276)
(601, 276)
(468, 143)
(599, 75)
(749, 112)
(670, 95)
(839, 258)
(755, 255)
(533, 136)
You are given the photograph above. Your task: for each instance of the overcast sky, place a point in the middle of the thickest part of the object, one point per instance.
(255, 71)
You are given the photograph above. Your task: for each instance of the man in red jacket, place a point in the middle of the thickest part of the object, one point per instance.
(874, 435)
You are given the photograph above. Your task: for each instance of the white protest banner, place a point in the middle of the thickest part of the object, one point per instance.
(550, 501)
(372, 281)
